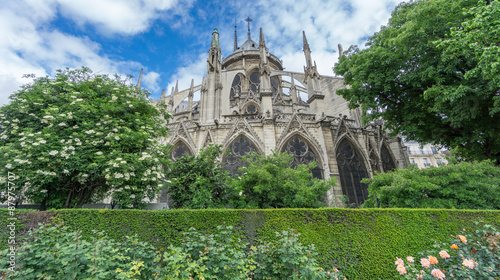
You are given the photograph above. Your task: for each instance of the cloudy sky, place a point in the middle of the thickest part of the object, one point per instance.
(170, 38)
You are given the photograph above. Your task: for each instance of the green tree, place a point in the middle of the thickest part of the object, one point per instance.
(199, 181)
(270, 182)
(432, 74)
(80, 137)
(455, 186)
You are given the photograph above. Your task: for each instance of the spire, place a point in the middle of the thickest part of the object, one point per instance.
(262, 42)
(176, 87)
(163, 94)
(235, 37)
(341, 50)
(248, 19)
(307, 51)
(215, 38)
(140, 78)
(306, 45)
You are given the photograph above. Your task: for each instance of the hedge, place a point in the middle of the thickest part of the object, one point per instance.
(362, 243)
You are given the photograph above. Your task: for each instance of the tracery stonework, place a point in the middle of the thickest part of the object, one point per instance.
(248, 102)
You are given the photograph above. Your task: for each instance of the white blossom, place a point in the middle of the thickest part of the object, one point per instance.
(132, 196)
(99, 153)
(117, 138)
(66, 171)
(53, 153)
(43, 191)
(8, 166)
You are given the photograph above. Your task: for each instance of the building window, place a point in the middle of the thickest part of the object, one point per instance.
(274, 85)
(303, 154)
(239, 148)
(179, 150)
(408, 150)
(421, 150)
(235, 87)
(426, 163)
(434, 150)
(440, 161)
(352, 170)
(387, 162)
(254, 82)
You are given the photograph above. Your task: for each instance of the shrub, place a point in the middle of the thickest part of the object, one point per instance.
(56, 253)
(270, 182)
(456, 186)
(468, 257)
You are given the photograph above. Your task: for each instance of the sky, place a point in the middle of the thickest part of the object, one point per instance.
(170, 39)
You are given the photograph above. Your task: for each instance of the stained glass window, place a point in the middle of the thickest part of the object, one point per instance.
(303, 154)
(387, 162)
(235, 86)
(179, 149)
(254, 82)
(240, 147)
(352, 170)
(274, 85)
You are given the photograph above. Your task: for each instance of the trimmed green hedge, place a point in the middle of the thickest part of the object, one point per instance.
(362, 243)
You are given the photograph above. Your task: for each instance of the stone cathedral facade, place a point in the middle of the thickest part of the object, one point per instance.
(249, 103)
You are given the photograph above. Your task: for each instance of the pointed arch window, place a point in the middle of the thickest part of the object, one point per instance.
(254, 83)
(352, 170)
(303, 154)
(387, 162)
(240, 147)
(274, 85)
(235, 87)
(180, 148)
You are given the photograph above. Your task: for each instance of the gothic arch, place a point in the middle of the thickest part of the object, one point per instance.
(237, 85)
(239, 146)
(179, 148)
(387, 159)
(253, 80)
(304, 152)
(352, 167)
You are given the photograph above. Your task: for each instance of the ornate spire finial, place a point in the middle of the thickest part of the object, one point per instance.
(341, 50)
(176, 87)
(163, 94)
(235, 37)
(140, 78)
(248, 19)
(306, 45)
(262, 42)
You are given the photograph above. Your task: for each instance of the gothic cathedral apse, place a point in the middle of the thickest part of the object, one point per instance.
(249, 103)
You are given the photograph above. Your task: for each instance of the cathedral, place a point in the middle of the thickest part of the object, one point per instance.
(249, 103)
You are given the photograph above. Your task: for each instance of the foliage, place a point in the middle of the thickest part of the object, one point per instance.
(362, 243)
(80, 137)
(432, 75)
(463, 186)
(198, 181)
(54, 252)
(270, 182)
(468, 257)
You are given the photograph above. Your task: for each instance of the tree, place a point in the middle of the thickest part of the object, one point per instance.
(199, 181)
(432, 75)
(458, 186)
(270, 182)
(81, 136)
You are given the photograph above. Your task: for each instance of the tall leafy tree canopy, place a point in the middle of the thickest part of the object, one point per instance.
(433, 74)
(79, 137)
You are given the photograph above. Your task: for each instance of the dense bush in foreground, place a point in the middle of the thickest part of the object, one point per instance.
(56, 253)
(456, 186)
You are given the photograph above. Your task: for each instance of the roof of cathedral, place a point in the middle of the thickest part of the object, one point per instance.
(248, 45)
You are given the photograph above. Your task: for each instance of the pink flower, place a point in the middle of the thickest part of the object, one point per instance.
(444, 254)
(401, 269)
(410, 259)
(425, 263)
(399, 262)
(437, 273)
(469, 263)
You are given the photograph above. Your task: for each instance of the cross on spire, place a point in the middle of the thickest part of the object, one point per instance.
(248, 19)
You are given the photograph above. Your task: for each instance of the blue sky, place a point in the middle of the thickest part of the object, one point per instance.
(170, 38)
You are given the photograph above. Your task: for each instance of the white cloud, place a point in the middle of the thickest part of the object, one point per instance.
(194, 70)
(150, 81)
(126, 16)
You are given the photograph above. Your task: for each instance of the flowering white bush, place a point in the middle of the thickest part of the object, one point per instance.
(65, 135)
